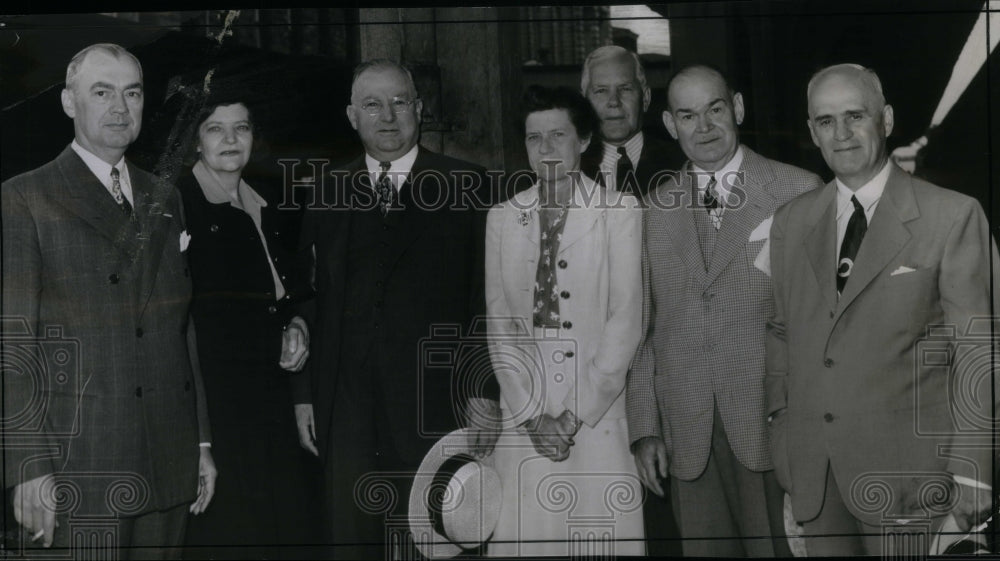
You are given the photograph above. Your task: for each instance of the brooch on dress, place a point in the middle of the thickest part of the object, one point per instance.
(524, 218)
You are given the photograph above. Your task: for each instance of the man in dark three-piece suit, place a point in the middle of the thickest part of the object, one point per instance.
(101, 395)
(879, 367)
(626, 159)
(398, 239)
(696, 388)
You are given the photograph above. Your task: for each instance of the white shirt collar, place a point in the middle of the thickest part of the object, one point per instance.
(102, 170)
(633, 147)
(724, 177)
(398, 170)
(868, 194)
(216, 194)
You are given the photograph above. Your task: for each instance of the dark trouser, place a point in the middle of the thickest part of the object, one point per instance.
(367, 482)
(730, 511)
(154, 535)
(662, 536)
(836, 532)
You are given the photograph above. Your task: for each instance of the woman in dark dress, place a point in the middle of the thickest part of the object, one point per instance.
(243, 268)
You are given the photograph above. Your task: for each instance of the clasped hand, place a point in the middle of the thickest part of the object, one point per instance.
(552, 437)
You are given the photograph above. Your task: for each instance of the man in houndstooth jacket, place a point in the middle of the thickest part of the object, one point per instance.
(696, 386)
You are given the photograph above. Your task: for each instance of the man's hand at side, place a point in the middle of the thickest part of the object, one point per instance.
(31, 511)
(483, 426)
(651, 460)
(307, 427)
(294, 345)
(206, 481)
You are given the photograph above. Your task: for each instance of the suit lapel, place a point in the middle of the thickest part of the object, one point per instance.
(738, 222)
(885, 237)
(86, 197)
(821, 242)
(588, 198)
(150, 203)
(520, 236)
(678, 221)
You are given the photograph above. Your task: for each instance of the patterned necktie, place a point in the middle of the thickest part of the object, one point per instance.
(384, 189)
(624, 172)
(711, 203)
(116, 192)
(856, 228)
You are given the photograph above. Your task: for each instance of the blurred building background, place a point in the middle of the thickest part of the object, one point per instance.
(471, 65)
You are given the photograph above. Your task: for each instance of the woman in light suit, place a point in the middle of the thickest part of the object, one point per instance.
(564, 295)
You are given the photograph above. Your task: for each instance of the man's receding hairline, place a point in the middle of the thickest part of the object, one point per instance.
(383, 65)
(117, 52)
(864, 78)
(690, 71)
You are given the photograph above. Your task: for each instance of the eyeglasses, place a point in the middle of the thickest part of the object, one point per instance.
(398, 105)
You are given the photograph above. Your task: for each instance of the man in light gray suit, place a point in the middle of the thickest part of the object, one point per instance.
(696, 387)
(881, 354)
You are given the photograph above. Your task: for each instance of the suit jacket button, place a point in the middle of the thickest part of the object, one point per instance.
(567, 325)
(214, 228)
(563, 264)
(564, 294)
(828, 417)
(138, 332)
(272, 309)
(831, 314)
(828, 363)
(113, 278)
(187, 386)
(138, 392)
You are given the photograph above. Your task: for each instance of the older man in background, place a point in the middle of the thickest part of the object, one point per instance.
(614, 82)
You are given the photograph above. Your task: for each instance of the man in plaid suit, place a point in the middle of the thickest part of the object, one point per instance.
(696, 387)
(106, 440)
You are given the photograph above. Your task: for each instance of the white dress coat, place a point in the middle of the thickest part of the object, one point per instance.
(589, 504)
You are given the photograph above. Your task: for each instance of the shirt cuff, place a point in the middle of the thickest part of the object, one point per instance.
(204, 444)
(969, 482)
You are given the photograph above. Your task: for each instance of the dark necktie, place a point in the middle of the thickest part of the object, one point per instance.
(116, 192)
(384, 188)
(711, 203)
(624, 172)
(856, 228)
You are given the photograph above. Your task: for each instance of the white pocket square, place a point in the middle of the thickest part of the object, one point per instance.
(903, 269)
(763, 260)
(762, 231)
(185, 240)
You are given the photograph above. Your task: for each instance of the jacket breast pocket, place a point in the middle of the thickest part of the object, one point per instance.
(911, 295)
(758, 283)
